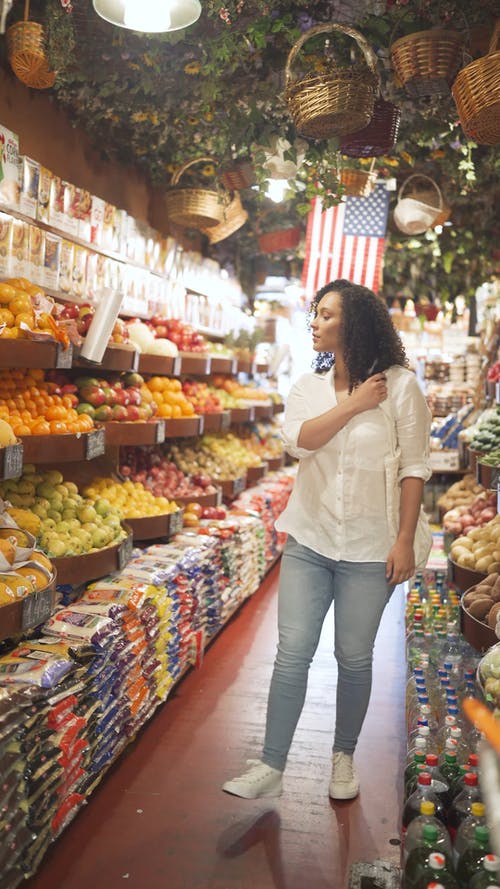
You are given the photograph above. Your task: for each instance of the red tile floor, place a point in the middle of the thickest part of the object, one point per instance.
(159, 820)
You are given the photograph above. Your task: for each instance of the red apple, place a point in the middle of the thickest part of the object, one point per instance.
(133, 412)
(119, 412)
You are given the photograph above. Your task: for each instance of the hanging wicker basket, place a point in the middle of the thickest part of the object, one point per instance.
(417, 210)
(476, 92)
(427, 62)
(240, 175)
(235, 216)
(26, 53)
(378, 137)
(198, 208)
(279, 239)
(358, 183)
(337, 102)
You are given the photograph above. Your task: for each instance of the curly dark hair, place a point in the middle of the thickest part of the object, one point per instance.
(371, 342)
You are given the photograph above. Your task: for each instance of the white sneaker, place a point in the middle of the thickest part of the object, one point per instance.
(259, 780)
(344, 783)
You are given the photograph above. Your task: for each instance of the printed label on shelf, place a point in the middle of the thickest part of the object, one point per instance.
(13, 461)
(125, 552)
(239, 485)
(497, 391)
(176, 522)
(37, 608)
(96, 444)
(225, 421)
(64, 357)
(160, 431)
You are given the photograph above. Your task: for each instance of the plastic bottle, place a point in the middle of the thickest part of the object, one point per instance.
(470, 862)
(414, 836)
(450, 770)
(424, 865)
(411, 771)
(422, 742)
(464, 836)
(461, 805)
(439, 783)
(424, 791)
(489, 874)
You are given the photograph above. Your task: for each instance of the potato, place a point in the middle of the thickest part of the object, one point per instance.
(470, 596)
(462, 541)
(491, 617)
(465, 560)
(460, 551)
(480, 607)
(495, 566)
(483, 564)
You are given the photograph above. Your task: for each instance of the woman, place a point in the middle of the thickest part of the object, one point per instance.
(339, 546)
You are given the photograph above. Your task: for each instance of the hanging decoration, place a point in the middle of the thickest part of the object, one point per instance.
(26, 53)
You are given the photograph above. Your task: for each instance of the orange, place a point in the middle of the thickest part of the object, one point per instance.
(85, 423)
(6, 317)
(176, 411)
(55, 412)
(7, 293)
(57, 427)
(21, 303)
(10, 333)
(27, 318)
(21, 429)
(41, 427)
(164, 411)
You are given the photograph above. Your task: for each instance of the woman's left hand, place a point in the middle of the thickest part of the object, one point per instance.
(400, 565)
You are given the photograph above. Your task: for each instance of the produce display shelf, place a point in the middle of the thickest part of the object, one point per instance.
(477, 633)
(11, 460)
(462, 577)
(278, 407)
(195, 364)
(157, 526)
(474, 457)
(262, 367)
(232, 487)
(221, 365)
(487, 476)
(275, 463)
(242, 415)
(116, 357)
(64, 448)
(184, 427)
(31, 354)
(33, 610)
(246, 366)
(159, 365)
(217, 422)
(263, 411)
(255, 473)
(214, 499)
(76, 570)
(135, 433)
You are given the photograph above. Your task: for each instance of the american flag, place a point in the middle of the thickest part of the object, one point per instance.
(346, 241)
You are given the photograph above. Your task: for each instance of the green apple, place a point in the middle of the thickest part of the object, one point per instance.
(68, 514)
(99, 538)
(74, 525)
(62, 527)
(102, 507)
(54, 477)
(63, 491)
(87, 514)
(48, 524)
(54, 514)
(84, 537)
(71, 488)
(56, 547)
(113, 521)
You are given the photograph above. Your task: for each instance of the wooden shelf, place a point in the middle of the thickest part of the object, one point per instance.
(232, 488)
(116, 357)
(31, 354)
(77, 570)
(242, 415)
(255, 473)
(278, 407)
(159, 365)
(221, 365)
(263, 411)
(275, 463)
(65, 448)
(202, 499)
(156, 527)
(126, 433)
(195, 364)
(23, 615)
(246, 366)
(184, 427)
(217, 422)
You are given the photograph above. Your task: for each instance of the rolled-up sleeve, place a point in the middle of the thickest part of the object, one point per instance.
(298, 408)
(413, 424)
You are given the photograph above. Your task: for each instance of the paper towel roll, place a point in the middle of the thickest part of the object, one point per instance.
(101, 325)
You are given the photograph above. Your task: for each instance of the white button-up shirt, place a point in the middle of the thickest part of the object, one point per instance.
(338, 504)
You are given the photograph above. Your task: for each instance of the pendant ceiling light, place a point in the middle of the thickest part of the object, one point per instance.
(149, 16)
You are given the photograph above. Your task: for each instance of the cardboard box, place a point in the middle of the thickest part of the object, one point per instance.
(36, 255)
(66, 258)
(44, 185)
(20, 249)
(9, 168)
(96, 220)
(6, 226)
(30, 177)
(52, 261)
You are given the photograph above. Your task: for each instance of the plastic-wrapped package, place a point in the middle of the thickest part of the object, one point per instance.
(82, 626)
(27, 666)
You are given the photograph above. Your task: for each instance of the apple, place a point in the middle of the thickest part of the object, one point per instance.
(133, 379)
(85, 408)
(119, 412)
(103, 413)
(87, 514)
(93, 395)
(133, 412)
(109, 395)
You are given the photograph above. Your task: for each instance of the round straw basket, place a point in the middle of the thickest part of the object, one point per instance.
(476, 92)
(358, 183)
(337, 102)
(235, 216)
(26, 53)
(426, 62)
(413, 215)
(240, 175)
(378, 137)
(198, 208)
(279, 239)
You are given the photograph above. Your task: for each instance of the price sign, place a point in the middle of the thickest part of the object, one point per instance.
(12, 461)
(239, 485)
(219, 497)
(37, 608)
(95, 444)
(175, 522)
(225, 421)
(135, 360)
(125, 552)
(177, 366)
(160, 431)
(64, 357)
(497, 391)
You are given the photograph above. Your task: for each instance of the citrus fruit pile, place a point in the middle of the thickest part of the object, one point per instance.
(31, 405)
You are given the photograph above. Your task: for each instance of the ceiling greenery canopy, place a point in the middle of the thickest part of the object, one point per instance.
(217, 89)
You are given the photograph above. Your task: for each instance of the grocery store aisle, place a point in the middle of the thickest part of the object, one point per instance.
(160, 821)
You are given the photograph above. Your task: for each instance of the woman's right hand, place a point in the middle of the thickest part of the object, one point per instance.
(369, 394)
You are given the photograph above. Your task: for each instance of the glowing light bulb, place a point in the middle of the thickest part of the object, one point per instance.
(147, 15)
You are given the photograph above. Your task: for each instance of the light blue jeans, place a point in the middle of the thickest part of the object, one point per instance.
(309, 583)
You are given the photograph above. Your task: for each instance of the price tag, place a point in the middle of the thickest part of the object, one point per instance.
(37, 608)
(225, 421)
(177, 366)
(160, 431)
(12, 461)
(219, 497)
(95, 444)
(135, 361)
(64, 357)
(175, 522)
(239, 485)
(497, 391)
(125, 552)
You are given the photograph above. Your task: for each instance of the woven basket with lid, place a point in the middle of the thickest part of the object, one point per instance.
(336, 102)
